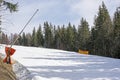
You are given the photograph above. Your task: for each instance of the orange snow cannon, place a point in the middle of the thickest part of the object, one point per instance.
(9, 52)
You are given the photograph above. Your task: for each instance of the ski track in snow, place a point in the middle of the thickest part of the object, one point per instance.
(52, 64)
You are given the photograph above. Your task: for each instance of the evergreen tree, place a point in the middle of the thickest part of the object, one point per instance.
(54, 37)
(92, 41)
(4, 39)
(4, 6)
(24, 40)
(103, 22)
(70, 37)
(33, 39)
(28, 37)
(20, 40)
(63, 37)
(75, 48)
(116, 24)
(48, 38)
(57, 39)
(39, 37)
(83, 34)
(103, 29)
(7, 5)
(14, 38)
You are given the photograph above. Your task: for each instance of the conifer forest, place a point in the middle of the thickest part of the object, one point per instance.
(102, 39)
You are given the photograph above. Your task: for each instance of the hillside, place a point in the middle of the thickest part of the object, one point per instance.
(51, 64)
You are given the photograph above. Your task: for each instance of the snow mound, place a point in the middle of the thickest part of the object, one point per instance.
(21, 72)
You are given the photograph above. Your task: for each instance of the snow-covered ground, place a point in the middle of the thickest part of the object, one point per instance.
(51, 64)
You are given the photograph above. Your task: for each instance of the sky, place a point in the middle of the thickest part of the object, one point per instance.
(57, 12)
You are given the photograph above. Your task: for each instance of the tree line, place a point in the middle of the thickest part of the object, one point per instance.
(103, 39)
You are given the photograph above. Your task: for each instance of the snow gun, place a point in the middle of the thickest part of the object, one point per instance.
(9, 50)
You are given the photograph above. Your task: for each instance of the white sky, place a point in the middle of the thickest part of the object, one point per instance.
(57, 12)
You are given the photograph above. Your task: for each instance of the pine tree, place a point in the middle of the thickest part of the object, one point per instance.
(48, 35)
(103, 29)
(28, 37)
(4, 39)
(103, 22)
(54, 38)
(57, 39)
(83, 34)
(14, 38)
(63, 37)
(20, 40)
(33, 39)
(39, 37)
(70, 36)
(24, 40)
(7, 5)
(92, 41)
(116, 24)
(60, 38)
(75, 48)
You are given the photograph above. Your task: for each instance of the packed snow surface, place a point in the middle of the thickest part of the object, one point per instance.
(52, 64)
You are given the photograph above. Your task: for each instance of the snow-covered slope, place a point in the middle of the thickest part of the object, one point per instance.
(51, 64)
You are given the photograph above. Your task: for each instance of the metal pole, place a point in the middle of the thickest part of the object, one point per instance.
(8, 58)
(23, 28)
